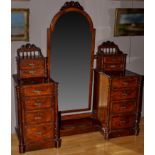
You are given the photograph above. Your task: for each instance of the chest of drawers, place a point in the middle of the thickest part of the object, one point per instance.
(37, 115)
(31, 67)
(30, 62)
(110, 58)
(117, 102)
(110, 62)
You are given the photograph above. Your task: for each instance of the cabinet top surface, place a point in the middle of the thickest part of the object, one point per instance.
(32, 81)
(116, 74)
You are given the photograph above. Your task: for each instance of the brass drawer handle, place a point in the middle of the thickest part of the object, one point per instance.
(123, 107)
(123, 121)
(31, 72)
(38, 104)
(31, 64)
(126, 93)
(39, 133)
(37, 91)
(125, 83)
(112, 66)
(37, 117)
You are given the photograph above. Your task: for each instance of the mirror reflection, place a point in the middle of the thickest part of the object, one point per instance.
(70, 60)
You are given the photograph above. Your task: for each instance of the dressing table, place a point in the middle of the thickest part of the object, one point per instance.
(87, 99)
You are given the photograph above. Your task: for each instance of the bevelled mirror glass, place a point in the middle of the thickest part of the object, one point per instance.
(71, 52)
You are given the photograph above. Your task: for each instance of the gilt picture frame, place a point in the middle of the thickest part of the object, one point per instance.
(19, 24)
(129, 22)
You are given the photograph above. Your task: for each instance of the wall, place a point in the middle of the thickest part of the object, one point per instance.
(102, 13)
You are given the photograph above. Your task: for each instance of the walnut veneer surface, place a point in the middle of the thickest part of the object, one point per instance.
(31, 68)
(117, 102)
(30, 62)
(37, 114)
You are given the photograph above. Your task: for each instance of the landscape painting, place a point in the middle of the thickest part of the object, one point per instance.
(19, 24)
(129, 22)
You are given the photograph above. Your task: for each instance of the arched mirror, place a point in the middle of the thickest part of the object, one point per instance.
(71, 39)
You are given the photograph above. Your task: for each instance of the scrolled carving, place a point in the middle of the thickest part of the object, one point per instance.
(108, 43)
(72, 4)
(28, 46)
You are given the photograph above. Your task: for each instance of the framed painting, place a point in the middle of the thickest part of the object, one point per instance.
(129, 22)
(20, 24)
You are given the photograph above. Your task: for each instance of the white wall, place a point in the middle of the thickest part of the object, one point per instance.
(102, 13)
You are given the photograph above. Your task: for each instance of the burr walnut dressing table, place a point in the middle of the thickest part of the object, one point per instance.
(90, 99)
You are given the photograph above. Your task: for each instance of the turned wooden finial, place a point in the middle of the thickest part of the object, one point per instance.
(28, 51)
(108, 47)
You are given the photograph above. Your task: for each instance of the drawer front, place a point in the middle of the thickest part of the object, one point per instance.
(119, 122)
(39, 132)
(113, 59)
(39, 72)
(124, 94)
(39, 89)
(40, 145)
(40, 116)
(125, 82)
(113, 67)
(123, 106)
(28, 64)
(32, 103)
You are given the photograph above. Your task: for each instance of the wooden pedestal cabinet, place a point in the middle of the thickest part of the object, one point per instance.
(30, 62)
(110, 58)
(37, 114)
(117, 102)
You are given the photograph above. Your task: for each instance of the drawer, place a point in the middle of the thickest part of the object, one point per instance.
(118, 122)
(113, 59)
(27, 64)
(39, 102)
(39, 72)
(123, 106)
(38, 89)
(40, 116)
(31, 146)
(39, 132)
(124, 94)
(125, 82)
(113, 67)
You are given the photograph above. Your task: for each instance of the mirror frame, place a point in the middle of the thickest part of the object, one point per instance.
(66, 8)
